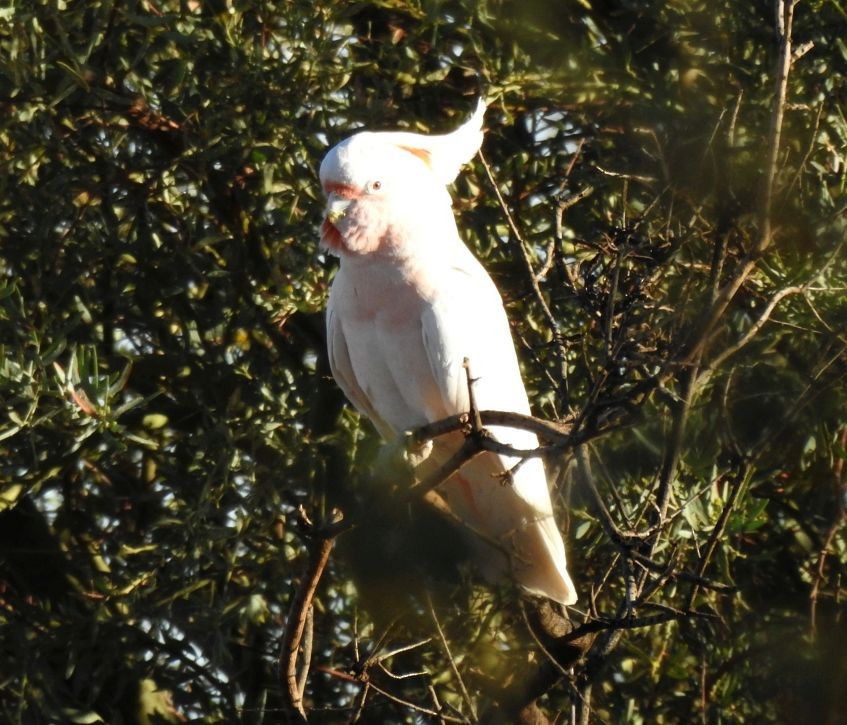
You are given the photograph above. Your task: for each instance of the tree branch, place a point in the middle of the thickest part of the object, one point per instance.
(718, 530)
(625, 540)
(530, 271)
(754, 328)
(298, 617)
(785, 19)
(624, 623)
(453, 666)
(784, 22)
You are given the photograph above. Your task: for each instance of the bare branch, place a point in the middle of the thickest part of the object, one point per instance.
(785, 20)
(473, 411)
(801, 50)
(623, 175)
(718, 530)
(562, 205)
(673, 449)
(694, 345)
(625, 623)
(549, 430)
(748, 336)
(298, 618)
(369, 684)
(469, 450)
(453, 666)
(533, 279)
(838, 522)
(624, 540)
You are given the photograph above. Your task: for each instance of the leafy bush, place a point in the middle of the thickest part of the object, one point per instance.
(675, 275)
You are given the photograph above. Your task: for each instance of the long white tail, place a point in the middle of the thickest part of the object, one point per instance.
(523, 539)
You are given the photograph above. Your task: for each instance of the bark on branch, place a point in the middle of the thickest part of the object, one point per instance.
(299, 616)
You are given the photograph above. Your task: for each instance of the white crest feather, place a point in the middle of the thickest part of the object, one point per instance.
(445, 154)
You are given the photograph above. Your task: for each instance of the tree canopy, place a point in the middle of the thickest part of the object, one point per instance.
(661, 201)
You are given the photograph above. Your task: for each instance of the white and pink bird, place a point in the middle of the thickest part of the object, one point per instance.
(407, 306)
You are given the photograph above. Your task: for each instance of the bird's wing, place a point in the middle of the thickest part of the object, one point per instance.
(467, 320)
(344, 374)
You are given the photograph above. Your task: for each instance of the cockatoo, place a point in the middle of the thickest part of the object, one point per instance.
(408, 304)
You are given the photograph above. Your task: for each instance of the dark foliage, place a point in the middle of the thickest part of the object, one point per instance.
(676, 278)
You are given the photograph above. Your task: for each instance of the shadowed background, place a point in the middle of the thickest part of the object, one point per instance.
(167, 404)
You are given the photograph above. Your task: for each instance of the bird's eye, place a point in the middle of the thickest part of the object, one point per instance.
(374, 186)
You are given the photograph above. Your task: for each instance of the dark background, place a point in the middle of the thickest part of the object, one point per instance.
(167, 404)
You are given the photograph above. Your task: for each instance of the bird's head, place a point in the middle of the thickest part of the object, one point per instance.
(377, 182)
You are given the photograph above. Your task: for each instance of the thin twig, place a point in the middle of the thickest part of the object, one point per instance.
(298, 617)
(785, 20)
(360, 702)
(693, 346)
(718, 530)
(674, 446)
(801, 50)
(697, 579)
(473, 411)
(623, 175)
(436, 702)
(531, 276)
(838, 521)
(403, 648)
(624, 540)
(730, 132)
(813, 136)
(453, 666)
(414, 707)
(338, 674)
(562, 205)
(559, 671)
(404, 676)
(610, 302)
(728, 352)
(650, 620)
(567, 202)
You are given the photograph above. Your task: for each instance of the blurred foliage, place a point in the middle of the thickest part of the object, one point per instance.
(166, 398)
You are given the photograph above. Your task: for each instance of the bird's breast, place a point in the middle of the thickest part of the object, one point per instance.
(389, 292)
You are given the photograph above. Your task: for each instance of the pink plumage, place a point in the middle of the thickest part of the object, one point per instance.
(407, 305)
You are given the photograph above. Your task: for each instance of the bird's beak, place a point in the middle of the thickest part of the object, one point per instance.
(336, 207)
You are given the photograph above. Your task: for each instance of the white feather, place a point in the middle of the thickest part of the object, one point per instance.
(407, 305)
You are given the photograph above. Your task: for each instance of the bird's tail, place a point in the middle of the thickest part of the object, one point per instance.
(516, 537)
(538, 561)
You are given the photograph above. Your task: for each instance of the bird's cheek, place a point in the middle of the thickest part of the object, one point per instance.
(343, 235)
(362, 230)
(331, 238)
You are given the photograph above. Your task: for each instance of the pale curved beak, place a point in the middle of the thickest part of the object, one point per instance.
(336, 207)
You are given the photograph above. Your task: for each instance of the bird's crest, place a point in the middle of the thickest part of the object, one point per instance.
(444, 154)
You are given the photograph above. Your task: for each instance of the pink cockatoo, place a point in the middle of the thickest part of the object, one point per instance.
(407, 306)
